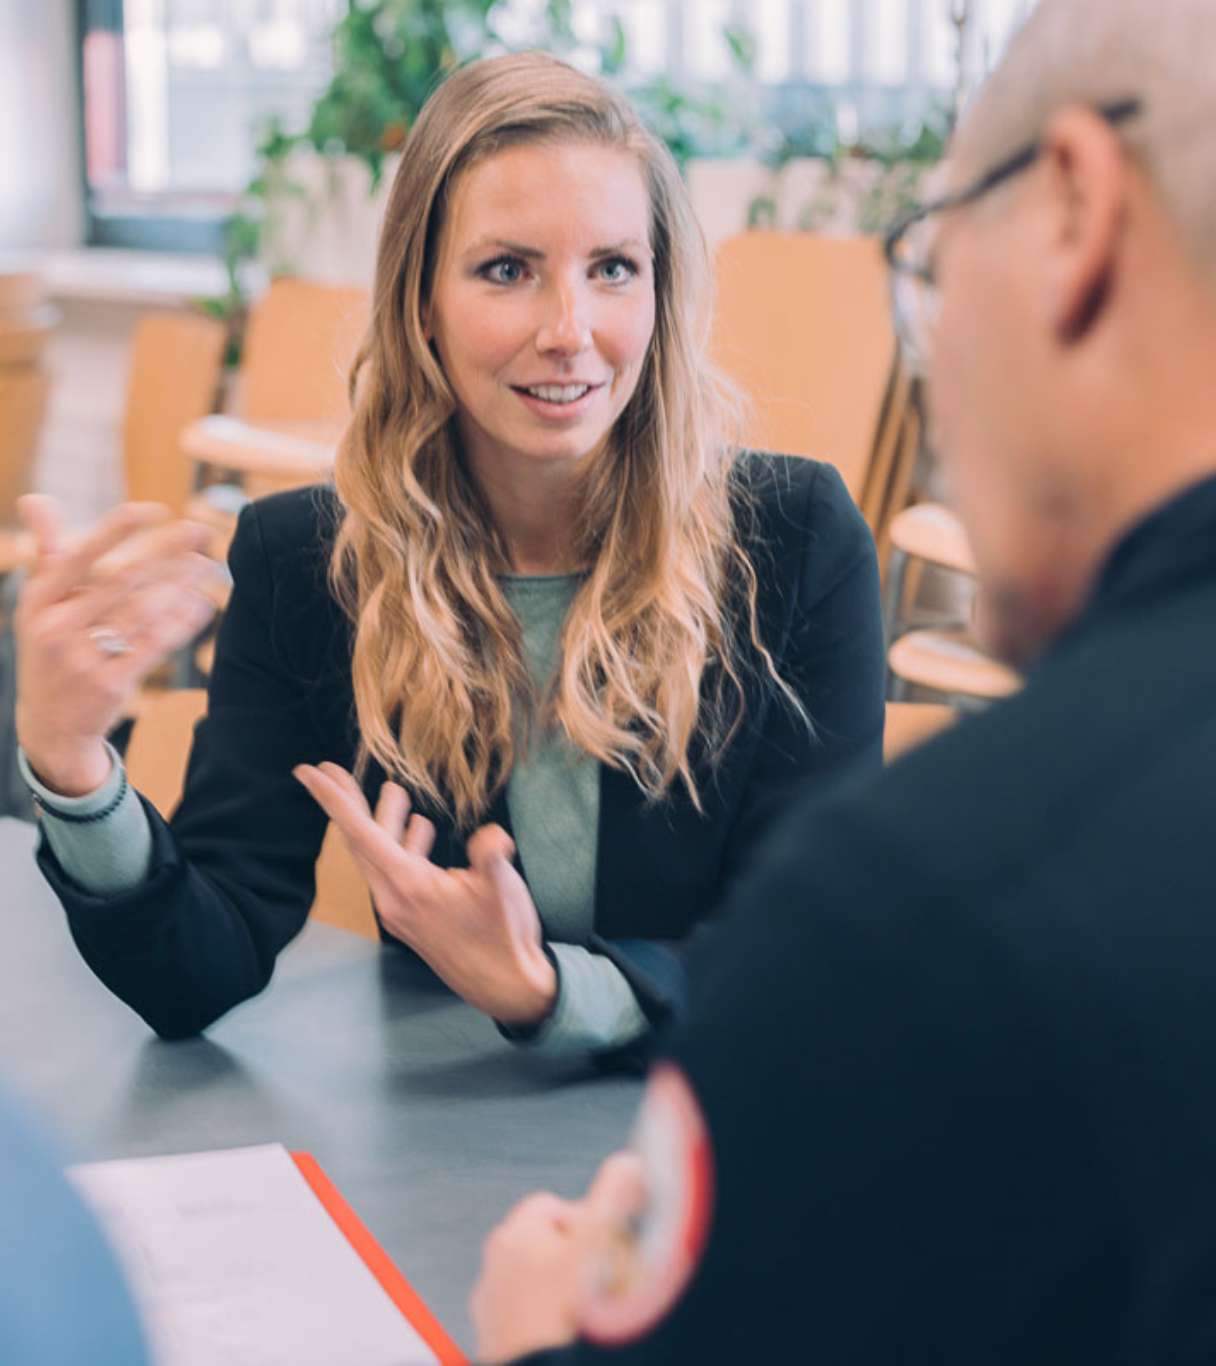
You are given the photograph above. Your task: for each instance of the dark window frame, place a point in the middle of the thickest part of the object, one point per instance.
(200, 234)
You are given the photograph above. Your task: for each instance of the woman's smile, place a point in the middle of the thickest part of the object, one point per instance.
(558, 402)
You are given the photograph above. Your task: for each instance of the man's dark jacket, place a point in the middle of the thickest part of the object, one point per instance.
(956, 1039)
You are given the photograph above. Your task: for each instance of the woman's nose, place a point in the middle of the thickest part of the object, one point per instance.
(565, 328)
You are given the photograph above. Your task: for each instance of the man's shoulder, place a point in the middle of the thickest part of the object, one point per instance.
(1009, 797)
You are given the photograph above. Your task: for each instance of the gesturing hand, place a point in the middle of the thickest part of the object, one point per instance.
(94, 618)
(475, 926)
(551, 1259)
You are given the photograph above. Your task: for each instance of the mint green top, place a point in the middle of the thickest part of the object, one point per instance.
(553, 795)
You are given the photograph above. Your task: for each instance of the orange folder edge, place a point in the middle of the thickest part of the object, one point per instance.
(378, 1262)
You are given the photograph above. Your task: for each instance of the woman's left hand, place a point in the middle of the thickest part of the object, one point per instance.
(475, 926)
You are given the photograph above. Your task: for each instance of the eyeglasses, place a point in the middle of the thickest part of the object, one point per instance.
(915, 296)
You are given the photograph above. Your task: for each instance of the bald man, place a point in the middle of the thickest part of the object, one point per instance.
(947, 1092)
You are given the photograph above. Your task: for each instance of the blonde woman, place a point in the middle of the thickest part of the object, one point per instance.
(552, 653)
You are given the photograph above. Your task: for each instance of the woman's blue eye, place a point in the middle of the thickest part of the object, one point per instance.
(504, 271)
(622, 270)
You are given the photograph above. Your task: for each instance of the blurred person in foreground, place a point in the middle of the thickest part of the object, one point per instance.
(62, 1297)
(953, 1098)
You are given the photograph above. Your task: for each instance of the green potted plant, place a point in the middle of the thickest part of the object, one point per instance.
(318, 191)
(819, 182)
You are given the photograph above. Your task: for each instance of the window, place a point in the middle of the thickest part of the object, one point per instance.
(175, 95)
(884, 58)
(176, 92)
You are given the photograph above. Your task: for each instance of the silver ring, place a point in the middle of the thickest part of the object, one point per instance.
(109, 641)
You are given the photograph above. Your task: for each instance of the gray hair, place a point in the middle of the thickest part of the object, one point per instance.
(1161, 52)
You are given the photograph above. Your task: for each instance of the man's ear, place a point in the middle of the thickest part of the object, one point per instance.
(1087, 180)
(656, 1205)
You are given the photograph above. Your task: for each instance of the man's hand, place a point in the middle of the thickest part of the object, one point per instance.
(543, 1264)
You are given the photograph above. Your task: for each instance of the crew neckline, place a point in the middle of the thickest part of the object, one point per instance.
(525, 580)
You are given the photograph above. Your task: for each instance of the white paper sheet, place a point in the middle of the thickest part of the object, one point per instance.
(235, 1262)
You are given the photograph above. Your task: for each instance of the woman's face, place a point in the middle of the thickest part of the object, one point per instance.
(542, 307)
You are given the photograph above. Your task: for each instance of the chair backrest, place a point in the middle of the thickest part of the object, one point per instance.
(160, 743)
(301, 339)
(176, 359)
(26, 325)
(912, 723)
(895, 464)
(23, 402)
(156, 765)
(803, 326)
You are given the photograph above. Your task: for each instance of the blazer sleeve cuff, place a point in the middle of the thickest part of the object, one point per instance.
(125, 917)
(655, 971)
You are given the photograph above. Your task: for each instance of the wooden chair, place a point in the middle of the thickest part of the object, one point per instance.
(16, 551)
(24, 392)
(26, 324)
(943, 657)
(891, 473)
(176, 362)
(912, 723)
(299, 344)
(803, 327)
(301, 339)
(950, 662)
(156, 764)
(922, 534)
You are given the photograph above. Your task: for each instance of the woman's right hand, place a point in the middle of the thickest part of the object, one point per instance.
(93, 620)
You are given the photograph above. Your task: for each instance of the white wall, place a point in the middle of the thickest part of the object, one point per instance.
(40, 191)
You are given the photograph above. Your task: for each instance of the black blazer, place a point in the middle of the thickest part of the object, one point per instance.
(232, 879)
(957, 1043)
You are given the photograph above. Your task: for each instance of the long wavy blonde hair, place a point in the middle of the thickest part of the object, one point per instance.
(651, 667)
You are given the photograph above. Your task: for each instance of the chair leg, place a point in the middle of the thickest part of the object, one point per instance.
(893, 593)
(898, 689)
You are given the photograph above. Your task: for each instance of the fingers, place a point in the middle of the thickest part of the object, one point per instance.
(541, 1207)
(419, 836)
(346, 782)
(42, 518)
(63, 570)
(326, 784)
(170, 618)
(488, 847)
(147, 610)
(342, 800)
(491, 851)
(169, 556)
(166, 611)
(618, 1193)
(392, 809)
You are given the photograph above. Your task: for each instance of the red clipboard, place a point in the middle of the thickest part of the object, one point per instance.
(378, 1262)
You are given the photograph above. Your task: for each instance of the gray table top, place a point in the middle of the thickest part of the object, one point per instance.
(428, 1122)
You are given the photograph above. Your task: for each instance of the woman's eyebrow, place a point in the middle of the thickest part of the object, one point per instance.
(535, 254)
(629, 244)
(499, 244)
